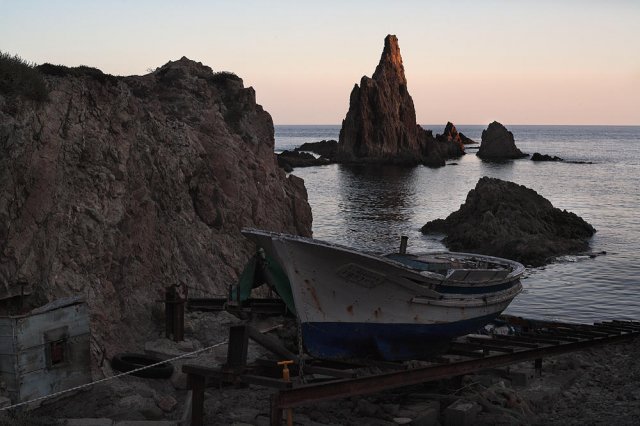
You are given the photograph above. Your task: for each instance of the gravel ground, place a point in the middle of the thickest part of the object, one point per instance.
(596, 386)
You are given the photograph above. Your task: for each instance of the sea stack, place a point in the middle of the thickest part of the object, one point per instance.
(380, 125)
(504, 219)
(115, 188)
(498, 144)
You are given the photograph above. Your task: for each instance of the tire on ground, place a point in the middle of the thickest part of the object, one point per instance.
(126, 362)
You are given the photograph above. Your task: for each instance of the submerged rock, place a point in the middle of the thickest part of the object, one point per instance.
(498, 144)
(115, 188)
(544, 157)
(301, 157)
(325, 148)
(290, 159)
(380, 125)
(504, 219)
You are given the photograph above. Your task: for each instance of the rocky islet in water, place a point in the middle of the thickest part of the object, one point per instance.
(504, 219)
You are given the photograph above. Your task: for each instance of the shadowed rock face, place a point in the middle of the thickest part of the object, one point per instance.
(380, 125)
(498, 144)
(116, 189)
(501, 218)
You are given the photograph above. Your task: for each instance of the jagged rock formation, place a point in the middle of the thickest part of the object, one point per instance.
(498, 144)
(380, 125)
(451, 134)
(501, 218)
(117, 187)
(452, 142)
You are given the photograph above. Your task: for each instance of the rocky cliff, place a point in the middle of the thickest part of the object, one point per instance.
(498, 143)
(116, 187)
(504, 219)
(380, 125)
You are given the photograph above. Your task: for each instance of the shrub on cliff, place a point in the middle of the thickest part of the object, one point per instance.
(79, 71)
(20, 78)
(224, 76)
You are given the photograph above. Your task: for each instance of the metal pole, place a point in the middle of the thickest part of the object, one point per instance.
(403, 244)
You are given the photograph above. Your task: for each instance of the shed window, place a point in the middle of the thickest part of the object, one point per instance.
(57, 352)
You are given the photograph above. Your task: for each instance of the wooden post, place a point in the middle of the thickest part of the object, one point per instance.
(237, 349)
(178, 312)
(169, 297)
(276, 411)
(538, 366)
(175, 299)
(197, 384)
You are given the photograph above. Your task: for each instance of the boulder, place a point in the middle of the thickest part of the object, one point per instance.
(504, 219)
(380, 125)
(115, 188)
(498, 144)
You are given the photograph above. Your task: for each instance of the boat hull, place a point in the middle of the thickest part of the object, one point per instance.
(345, 340)
(356, 305)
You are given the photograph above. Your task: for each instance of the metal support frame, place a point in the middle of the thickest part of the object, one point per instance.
(234, 371)
(535, 346)
(536, 341)
(377, 383)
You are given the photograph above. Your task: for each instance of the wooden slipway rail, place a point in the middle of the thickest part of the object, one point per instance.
(528, 340)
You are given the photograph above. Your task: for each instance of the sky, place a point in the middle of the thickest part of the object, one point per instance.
(469, 62)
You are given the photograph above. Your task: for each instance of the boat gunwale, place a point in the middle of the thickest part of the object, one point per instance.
(517, 268)
(460, 300)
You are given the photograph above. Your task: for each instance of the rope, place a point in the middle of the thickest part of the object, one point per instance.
(106, 379)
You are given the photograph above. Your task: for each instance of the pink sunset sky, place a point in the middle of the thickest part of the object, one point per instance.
(470, 62)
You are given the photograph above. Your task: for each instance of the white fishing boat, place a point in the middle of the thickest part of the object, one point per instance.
(395, 307)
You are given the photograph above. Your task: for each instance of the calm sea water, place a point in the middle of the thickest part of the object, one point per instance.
(370, 207)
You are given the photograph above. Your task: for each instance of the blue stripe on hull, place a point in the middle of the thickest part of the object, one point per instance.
(392, 342)
(477, 289)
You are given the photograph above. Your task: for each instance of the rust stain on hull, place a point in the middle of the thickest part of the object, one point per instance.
(314, 295)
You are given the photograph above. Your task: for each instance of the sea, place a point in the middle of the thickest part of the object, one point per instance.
(370, 207)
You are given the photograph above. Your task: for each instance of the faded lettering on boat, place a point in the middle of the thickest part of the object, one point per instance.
(359, 275)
